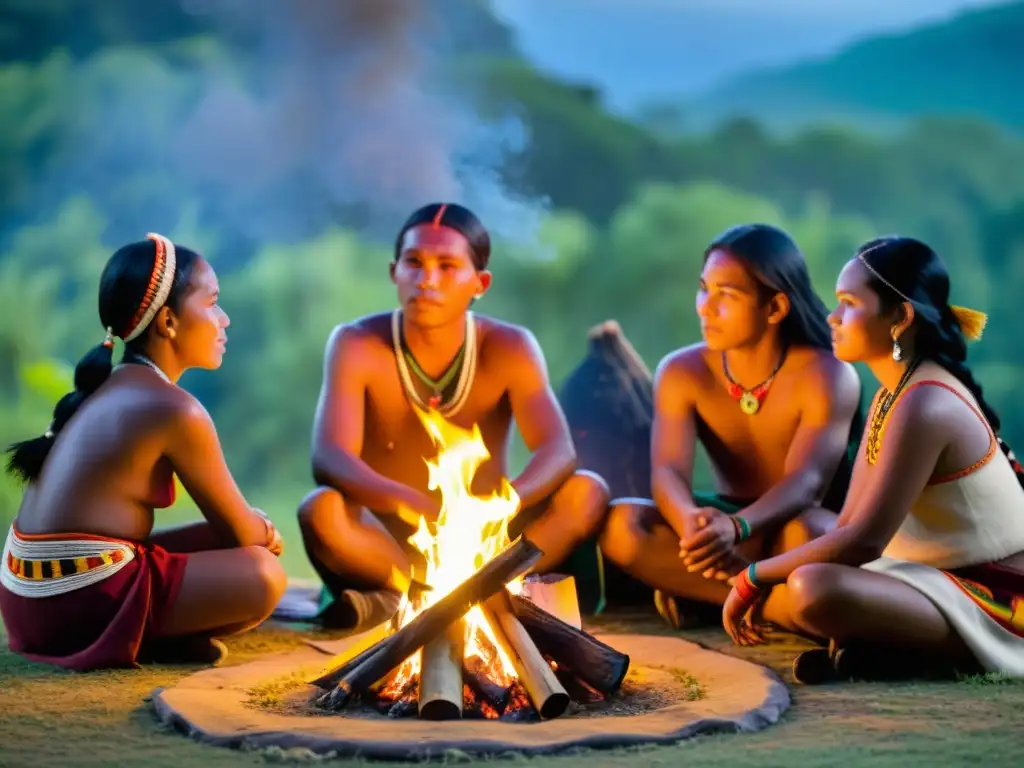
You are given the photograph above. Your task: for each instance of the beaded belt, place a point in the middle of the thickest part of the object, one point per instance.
(36, 570)
(34, 567)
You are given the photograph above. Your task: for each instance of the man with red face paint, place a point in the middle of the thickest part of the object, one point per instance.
(772, 408)
(369, 446)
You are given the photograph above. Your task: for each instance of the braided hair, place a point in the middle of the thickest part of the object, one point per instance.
(137, 281)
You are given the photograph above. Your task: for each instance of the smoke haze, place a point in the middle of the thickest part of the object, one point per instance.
(302, 114)
(348, 94)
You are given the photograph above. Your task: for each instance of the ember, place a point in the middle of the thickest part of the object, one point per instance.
(471, 645)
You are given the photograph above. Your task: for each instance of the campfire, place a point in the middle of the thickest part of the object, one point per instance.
(469, 642)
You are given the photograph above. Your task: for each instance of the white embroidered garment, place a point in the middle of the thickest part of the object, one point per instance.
(971, 517)
(18, 548)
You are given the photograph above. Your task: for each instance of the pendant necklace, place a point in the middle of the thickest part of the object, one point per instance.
(461, 372)
(750, 400)
(437, 387)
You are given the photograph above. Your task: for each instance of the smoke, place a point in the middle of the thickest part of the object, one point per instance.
(349, 116)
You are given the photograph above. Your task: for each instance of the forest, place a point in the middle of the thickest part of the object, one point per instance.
(289, 150)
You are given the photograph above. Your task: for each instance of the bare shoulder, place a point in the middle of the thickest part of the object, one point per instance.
(818, 373)
(360, 336)
(929, 413)
(507, 340)
(181, 412)
(138, 395)
(937, 402)
(687, 365)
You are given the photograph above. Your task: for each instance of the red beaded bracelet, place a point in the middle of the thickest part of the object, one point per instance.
(746, 589)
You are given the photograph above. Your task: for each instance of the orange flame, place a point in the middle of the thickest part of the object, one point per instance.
(470, 530)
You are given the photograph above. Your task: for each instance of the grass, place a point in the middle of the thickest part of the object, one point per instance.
(56, 718)
(270, 695)
(693, 690)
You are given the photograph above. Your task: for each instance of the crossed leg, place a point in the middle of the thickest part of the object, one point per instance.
(843, 603)
(350, 547)
(223, 591)
(639, 541)
(573, 514)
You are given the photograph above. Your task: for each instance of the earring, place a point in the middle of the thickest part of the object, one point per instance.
(897, 350)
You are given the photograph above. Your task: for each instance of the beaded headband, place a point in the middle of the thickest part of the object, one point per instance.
(159, 288)
(971, 321)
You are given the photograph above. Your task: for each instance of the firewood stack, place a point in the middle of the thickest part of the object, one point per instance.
(554, 661)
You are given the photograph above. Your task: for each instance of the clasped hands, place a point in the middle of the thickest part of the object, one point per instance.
(275, 544)
(710, 549)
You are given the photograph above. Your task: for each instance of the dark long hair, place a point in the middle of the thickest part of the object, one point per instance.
(912, 268)
(123, 284)
(777, 263)
(457, 217)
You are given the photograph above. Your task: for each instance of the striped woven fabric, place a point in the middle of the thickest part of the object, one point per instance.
(41, 570)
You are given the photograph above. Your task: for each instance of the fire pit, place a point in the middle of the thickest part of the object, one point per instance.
(507, 658)
(505, 664)
(466, 643)
(674, 690)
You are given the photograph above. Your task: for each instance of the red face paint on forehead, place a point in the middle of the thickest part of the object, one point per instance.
(439, 216)
(437, 241)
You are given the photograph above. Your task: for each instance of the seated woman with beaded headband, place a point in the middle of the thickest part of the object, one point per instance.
(924, 571)
(85, 583)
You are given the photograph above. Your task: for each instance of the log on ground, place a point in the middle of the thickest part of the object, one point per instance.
(485, 692)
(440, 692)
(547, 695)
(598, 665)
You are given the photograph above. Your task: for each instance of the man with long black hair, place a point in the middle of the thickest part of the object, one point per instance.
(432, 354)
(775, 412)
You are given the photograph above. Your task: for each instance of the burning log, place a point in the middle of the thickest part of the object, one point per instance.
(405, 706)
(598, 665)
(352, 656)
(514, 561)
(576, 688)
(535, 674)
(390, 699)
(485, 692)
(440, 695)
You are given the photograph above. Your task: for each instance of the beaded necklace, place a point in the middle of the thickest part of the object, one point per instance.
(751, 400)
(464, 365)
(143, 360)
(880, 415)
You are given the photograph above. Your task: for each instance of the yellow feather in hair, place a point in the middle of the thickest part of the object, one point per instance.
(972, 322)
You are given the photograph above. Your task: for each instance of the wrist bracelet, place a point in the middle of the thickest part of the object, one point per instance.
(737, 528)
(744, 527)
(748, 591)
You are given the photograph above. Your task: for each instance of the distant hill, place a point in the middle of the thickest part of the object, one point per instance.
(971, 65)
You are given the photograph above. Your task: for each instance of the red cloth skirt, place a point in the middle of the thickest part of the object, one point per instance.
(997, 589)
(102, 625)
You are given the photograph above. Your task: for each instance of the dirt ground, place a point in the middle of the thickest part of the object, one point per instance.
(60, 719)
